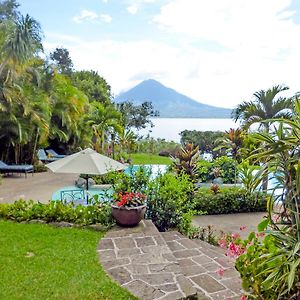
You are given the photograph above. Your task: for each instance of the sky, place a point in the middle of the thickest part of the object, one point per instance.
(217, 52)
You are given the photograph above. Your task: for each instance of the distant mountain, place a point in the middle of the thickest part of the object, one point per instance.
(170, 103)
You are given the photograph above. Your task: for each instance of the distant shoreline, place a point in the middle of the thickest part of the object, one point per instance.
(203, 118)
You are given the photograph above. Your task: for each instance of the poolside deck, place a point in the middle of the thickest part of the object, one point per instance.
(38, 187)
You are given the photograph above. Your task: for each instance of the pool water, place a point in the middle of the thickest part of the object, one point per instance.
(73, 193)
(155, 169)
(77, 195)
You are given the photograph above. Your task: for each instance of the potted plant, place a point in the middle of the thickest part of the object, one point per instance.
(129, 208)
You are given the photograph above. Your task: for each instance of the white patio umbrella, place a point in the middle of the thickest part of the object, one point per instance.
(87, 162)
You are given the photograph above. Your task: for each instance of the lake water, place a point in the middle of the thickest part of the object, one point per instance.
(169, 128)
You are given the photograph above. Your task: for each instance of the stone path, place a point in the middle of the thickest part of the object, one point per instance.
(154, 265)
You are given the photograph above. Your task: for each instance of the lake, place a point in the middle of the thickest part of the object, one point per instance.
(169, 128)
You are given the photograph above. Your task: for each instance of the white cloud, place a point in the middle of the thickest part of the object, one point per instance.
(90, 16)
(132, 9)
(258, 41)
(106, 18)
(105, 1)
(135, 5)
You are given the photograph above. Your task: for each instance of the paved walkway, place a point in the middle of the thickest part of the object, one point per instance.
(38, 187)
(231, 223)
(154, 265)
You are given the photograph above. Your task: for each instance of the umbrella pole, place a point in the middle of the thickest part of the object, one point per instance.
(87, 188)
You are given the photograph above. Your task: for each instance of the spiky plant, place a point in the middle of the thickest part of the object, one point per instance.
(185, 161)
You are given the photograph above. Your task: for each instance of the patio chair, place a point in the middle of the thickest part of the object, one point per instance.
(6, 169)
(52, 153)
(42, 156)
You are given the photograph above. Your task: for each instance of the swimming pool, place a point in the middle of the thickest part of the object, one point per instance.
(77, 195)
(155, 169)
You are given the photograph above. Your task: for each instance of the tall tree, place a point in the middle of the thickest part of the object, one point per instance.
(104, 120)
(137, 116)
(265, 106)
(8, 10)
(61, 58)
(22, 41)
(93, 85)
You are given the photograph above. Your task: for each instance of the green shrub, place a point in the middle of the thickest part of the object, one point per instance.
(57, 212)
(228, 166)
(108, 178)
(204, 170)
(269, 267)
(137, 180)
(40, 168)
(169, 198)
(229, 200)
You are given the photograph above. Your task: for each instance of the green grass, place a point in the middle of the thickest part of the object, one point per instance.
(42, 262)
(149, 159)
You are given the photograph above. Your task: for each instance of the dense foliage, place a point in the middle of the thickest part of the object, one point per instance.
(227, 169)
(57, 212)
(204, 139)
(270, 267)
(44, 102)
(229, 200)
(169, 198)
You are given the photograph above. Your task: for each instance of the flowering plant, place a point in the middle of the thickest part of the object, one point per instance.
(130, 199)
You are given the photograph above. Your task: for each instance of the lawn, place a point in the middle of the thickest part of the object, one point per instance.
(42, 262)
(149, 159)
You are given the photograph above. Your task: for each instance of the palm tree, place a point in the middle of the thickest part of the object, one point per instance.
(104, 119)
(265, 106)
(23, 40)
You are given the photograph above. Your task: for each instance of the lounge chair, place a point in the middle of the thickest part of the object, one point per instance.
(6, 169)
(52, 153)
(44, 157)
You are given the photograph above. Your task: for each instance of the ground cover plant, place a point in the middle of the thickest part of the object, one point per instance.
(56, 211)
(43, 262)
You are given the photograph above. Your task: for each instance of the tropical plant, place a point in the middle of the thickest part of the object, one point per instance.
(264, 107)
(104, 120)
(231, 142)
(23, 40)
(168, 200)
(185, 161)
(274, 271)
(204, 139)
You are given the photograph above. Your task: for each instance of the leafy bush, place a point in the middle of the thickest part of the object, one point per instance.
(108, 178)
(229, 200)
(169, 198)
(224, 164)
(57, 212)
(204, 170)
(228, 166)
(269, 267)
(39, 168)
(136, 181)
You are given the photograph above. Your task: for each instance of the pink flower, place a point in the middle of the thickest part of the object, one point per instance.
(220, 272)
(234, 250)
(222, 243)
(235, 236)
(243, 228)
(243, 297)
(275, 218)
(260, 234)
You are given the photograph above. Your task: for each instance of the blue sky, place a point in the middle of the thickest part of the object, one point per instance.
(218, 52)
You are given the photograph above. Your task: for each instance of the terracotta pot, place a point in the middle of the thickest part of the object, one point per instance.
(128, 216)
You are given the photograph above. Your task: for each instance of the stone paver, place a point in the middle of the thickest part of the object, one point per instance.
(167, 265)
